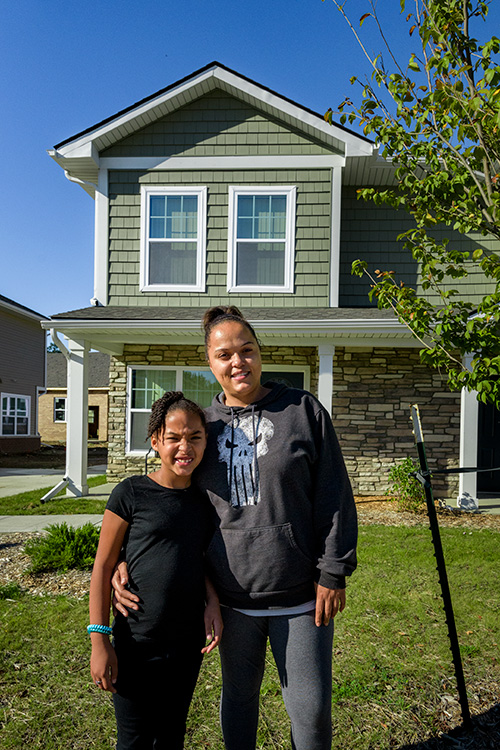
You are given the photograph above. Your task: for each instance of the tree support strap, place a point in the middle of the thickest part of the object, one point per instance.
(424, 476)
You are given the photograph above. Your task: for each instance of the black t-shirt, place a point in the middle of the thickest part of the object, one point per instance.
(164, 547)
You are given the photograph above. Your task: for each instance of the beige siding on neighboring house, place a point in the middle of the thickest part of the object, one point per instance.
(55, 432)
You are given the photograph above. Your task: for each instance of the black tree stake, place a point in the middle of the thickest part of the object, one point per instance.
(424, 477)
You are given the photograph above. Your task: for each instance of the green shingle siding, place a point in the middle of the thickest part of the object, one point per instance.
(312, 251)
(369, 232)
(216, 125)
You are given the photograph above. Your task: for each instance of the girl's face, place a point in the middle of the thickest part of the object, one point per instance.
(180, 447)
(234, 358)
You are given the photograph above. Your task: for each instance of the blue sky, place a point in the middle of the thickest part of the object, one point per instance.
(68, 65)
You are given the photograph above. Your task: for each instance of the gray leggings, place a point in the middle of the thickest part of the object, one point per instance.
(303, 656)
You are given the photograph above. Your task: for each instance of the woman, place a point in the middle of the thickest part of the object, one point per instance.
(286, 537)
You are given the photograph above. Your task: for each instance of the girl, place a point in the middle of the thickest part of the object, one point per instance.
(164, 525)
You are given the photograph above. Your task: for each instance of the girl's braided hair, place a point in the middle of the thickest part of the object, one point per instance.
(172, 401)
(214, 316)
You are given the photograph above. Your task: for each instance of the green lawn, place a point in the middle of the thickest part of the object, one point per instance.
(393, 675)
(29, 503)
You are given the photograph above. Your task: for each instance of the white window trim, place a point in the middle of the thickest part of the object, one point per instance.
(234, 192)
(201, 251)
(179, 370)
(60, 398)
(28, 410)
(305, 369)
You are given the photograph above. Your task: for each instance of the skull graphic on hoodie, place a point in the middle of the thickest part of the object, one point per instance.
(240, 444)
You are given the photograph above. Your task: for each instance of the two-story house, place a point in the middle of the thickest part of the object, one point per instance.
(22, 376)
(218, 190)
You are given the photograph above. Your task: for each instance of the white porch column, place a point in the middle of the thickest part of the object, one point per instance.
(77, 418)
(469, 414)
(325, 380)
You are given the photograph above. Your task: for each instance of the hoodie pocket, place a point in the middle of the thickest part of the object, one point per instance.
(262, 559)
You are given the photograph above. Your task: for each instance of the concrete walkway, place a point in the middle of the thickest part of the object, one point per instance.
(13, 481)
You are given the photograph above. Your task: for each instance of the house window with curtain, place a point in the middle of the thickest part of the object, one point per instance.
(148, 384)
(173, 238)
(15, 414)
(261, 239)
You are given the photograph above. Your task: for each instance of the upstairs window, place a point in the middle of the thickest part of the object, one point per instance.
(261, 239)
(15, 414)
(173, 238)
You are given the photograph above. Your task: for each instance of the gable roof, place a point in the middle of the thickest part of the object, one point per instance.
(79, 154)
(18, 309)
(98, 370)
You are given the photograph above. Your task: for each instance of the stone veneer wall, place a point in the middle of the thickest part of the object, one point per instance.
(120, 465)
(373, 390)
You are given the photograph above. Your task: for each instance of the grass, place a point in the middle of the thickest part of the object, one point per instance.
(29, 503)
(393, 675)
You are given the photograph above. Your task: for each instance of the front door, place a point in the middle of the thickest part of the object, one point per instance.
(488, 449)
(93, 422)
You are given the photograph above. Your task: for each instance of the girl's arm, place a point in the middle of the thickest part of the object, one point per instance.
(213, 618)
(103, 663)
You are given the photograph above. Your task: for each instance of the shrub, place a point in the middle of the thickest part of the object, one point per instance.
(63, 547)
(406, 489)
(10, 591)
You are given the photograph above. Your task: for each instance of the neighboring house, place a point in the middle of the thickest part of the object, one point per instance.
(52, 405)
(22, 376)
(218, 190)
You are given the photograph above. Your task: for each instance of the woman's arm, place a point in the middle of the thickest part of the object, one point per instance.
(103, 664)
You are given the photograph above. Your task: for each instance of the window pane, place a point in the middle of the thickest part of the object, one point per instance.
(261, 263)
(139, 430)
(261, 217)
(148, 385)
(22, 426)
(200, 386)
(8, 424)
(172, 263)
(291, 379)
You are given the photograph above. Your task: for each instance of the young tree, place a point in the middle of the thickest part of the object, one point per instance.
(437, 118)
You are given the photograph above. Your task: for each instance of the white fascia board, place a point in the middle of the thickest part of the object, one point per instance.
(137, 112)
(81, 150)
(354, 326)
(22, 313)
(354, 145)
(224, 162)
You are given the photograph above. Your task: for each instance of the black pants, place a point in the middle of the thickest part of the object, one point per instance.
(154, 689)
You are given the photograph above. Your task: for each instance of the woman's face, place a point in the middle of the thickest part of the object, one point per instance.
(234, 358)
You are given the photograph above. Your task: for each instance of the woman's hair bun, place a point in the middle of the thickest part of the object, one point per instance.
(211, 315)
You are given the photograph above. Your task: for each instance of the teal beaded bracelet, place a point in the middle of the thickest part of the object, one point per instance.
(99, 629)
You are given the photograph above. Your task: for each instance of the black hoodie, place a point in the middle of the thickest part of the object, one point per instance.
(286, 515)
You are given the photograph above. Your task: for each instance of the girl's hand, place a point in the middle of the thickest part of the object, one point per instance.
(212, 617)
(122, 597)
(103, 663)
